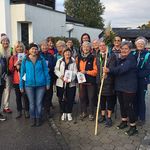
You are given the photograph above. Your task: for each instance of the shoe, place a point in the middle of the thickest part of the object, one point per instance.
(91, 117)
(49, 116)
(63, 117)
(132, 131)
(69, 117)
(19, 115)
(2, 117)
(26, 114)
(33, 122)
(38, 122)
(83, 115)
(141, 122)
(122, 125)
(102, 119)
(7, 110)
(108, 122)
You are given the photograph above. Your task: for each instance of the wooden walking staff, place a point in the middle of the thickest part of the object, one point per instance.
(100, 92)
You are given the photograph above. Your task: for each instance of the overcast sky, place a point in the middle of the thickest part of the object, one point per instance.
(122, 13)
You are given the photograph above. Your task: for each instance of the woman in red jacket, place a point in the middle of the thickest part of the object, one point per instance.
(14, 67)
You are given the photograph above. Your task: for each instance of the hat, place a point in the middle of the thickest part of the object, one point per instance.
(32, 45)
(3, 37)
(67, 49)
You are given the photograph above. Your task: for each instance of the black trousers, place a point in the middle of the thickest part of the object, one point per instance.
(126, 101)
(47, 100)
(19, 97)
(87, 92)
(140, 105)
(66, 98)
(1, 93)
(106, 100)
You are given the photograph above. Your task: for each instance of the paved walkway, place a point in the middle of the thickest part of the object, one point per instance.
(64, 135)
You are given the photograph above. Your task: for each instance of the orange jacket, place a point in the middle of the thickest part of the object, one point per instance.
(89, 72)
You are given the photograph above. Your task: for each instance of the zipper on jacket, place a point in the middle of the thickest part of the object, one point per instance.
(34, 72)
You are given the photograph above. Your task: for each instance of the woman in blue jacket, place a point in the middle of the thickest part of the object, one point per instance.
(143, 66)
(34, 78)
(126, 86)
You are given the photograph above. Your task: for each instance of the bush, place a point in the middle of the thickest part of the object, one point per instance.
(75, 41)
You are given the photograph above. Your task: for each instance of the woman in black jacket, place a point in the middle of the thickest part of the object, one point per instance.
(108, 86)
(126, 86)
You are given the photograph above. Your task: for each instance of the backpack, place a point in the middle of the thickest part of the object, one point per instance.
(145, 59)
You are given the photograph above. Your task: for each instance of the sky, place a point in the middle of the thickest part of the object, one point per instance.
(122, 13)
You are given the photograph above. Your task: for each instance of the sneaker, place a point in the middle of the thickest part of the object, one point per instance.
(122, 125)
(7, 110)
(140, 122)
(2, 117)
(91, 117)
(63, 117)
(33, 122)
(69, 117)
(26, 114)
(38, 122)
(132, 131)
(102, 119)
(83, 115)
(19, 115)
(108, 122)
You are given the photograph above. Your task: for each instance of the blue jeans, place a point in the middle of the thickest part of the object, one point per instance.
(35, 96)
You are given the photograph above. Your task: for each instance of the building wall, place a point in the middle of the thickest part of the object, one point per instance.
(78, 30)
(42, 22)
(5, 18)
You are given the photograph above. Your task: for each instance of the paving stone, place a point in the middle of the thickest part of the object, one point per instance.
(79, 136)
(108, 146)
(120, 148)
(97, 148)
(130, 146)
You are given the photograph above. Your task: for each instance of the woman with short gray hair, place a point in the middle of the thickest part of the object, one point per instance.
(126, 86)
(143, 67)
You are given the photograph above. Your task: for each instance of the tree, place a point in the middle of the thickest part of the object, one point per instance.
(88, 11)
(145, 26)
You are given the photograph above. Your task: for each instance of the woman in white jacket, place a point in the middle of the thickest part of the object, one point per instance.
(66, 70)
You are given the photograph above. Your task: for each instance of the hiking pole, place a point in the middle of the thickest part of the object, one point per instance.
(100, 92)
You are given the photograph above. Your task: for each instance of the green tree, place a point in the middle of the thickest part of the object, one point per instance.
(88, 11)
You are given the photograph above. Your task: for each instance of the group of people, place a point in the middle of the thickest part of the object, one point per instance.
(34, 72)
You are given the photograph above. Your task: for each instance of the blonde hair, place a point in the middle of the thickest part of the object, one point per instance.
(60, 42)
(15, 46)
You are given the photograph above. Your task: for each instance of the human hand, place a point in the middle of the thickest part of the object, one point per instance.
(47, 87)
(83, 71)
(105, 70)
(22, 90)
(17, 63)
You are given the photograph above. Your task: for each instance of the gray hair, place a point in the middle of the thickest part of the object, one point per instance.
(141, 39)
(86, 43)
(128, 43)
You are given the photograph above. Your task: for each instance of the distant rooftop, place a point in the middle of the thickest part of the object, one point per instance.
(48, 3)
(132, 33)
(74, 20)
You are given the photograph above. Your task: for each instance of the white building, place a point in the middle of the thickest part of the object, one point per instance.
(28, 23)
